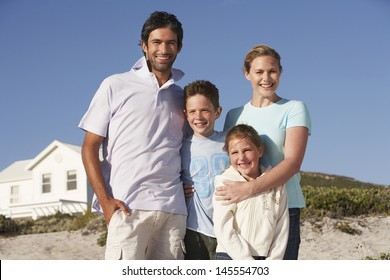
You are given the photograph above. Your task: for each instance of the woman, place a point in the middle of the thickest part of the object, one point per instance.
(284, 126)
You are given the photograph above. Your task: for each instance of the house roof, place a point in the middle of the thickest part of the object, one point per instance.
(22, 170)
(73, 147)
(16, 172)
(54, 145)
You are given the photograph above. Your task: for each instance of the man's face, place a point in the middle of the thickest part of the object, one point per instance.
(161, 50)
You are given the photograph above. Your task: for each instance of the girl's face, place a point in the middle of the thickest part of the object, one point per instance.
(244, 157)
(264, 76)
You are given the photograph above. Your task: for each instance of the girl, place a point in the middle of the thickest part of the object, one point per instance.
(256, 228)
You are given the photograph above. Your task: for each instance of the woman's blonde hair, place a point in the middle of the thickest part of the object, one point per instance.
(260, 50)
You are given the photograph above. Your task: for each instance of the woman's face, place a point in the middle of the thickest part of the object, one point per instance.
(244, 157)
(264, 76)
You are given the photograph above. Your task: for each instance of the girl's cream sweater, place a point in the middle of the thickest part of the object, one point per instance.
(257, 226)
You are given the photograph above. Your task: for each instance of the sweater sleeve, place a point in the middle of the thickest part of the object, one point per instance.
(227, 236)
(279, 242)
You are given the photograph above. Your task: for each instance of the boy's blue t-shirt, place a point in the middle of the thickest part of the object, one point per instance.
(202, 160)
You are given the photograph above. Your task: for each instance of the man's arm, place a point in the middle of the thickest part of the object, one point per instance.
(294, 152)
(91, 161)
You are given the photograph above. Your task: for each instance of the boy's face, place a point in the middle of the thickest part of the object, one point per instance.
(201, 115)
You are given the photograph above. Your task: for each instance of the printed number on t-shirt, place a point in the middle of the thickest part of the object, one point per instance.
(203, 172)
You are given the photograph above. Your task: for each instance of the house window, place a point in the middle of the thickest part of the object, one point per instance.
(71, 180)
(46, 183)
(14, 197)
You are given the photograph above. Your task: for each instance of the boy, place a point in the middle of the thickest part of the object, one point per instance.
(202, 159)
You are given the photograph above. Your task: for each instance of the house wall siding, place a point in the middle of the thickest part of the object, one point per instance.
(25, 194)
(58, 163)
(55, 160)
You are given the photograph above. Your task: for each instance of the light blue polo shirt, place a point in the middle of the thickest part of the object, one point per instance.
(143, 128)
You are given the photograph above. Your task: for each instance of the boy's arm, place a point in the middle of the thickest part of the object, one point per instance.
(294, 151)
(91, 161)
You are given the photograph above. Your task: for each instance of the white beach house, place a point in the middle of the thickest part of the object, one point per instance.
(53, 181)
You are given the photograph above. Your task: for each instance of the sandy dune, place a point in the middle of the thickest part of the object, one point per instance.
(319, 242)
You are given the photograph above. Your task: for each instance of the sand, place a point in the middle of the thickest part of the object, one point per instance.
(320, 241)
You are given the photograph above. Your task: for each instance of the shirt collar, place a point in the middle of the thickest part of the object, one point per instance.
(142, 67)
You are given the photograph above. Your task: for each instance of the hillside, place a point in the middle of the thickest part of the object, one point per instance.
(316, 179)
(339, 196)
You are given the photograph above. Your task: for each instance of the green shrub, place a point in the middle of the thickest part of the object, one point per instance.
(8, 226)
(89, 221)
(382, 256)
(339, 202)
(346, 227)
(97, 223)
(102, 239)
(53, 223)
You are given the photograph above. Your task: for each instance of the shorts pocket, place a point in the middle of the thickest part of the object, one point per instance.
(113, 217)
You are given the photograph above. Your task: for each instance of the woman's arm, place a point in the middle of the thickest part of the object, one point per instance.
(294, 152)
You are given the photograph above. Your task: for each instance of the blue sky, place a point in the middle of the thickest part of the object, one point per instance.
(335, 55)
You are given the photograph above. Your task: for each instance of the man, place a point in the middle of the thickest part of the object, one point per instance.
(138, 118)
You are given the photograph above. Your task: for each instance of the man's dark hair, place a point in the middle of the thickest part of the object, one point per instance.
(160, 20)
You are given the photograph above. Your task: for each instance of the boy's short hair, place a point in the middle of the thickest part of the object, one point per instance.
(205, 88)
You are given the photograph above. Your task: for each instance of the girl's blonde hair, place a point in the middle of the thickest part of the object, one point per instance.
(242, 131)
